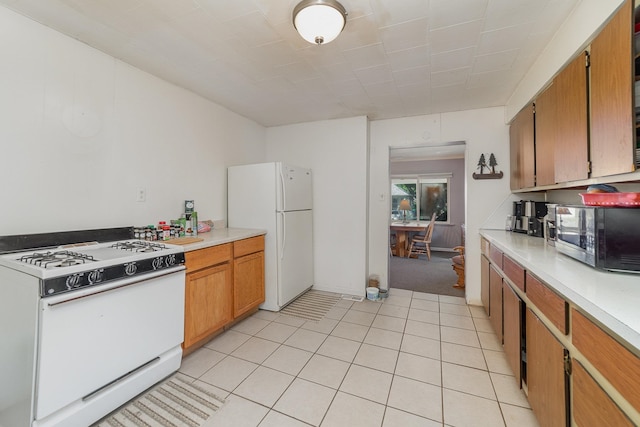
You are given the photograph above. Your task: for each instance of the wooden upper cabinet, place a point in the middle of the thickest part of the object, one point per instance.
(571, 149)
(546, 118)
(521, 147)
(612, 113)
(561, 140)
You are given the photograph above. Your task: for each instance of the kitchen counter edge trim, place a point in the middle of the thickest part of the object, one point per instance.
(221, 236)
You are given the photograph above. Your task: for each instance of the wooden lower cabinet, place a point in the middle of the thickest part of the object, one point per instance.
(208, 296)
(599, 387)
(512, 321)
(617, 364)
(484, 282)
(546, 379)
(548, 302)
(591, 405)
(495, 301)
(248, 283)
(223, 283)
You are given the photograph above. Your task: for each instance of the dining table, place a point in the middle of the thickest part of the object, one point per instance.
(401, 229)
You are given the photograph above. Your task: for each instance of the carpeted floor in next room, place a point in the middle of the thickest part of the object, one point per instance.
(417, 274)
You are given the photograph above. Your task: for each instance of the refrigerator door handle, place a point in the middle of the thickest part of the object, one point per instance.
(284, 235)
(284, 190)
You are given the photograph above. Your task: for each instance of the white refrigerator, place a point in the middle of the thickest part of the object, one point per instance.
(278, 198)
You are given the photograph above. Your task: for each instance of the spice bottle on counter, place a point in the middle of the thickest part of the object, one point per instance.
(194, 223)
(166, 232)
(150, 233)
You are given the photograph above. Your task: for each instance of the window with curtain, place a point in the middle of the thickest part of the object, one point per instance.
(426, 194)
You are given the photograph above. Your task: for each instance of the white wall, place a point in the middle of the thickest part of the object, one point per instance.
(484, 131)
(336, 151)
(81, 131)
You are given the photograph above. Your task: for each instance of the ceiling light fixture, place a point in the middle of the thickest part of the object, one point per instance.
(319, 21)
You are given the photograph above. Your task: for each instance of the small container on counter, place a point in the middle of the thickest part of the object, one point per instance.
(191, 224)
(150, 233)
(139, 233)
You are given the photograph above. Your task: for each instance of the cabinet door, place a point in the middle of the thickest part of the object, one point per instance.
(617, 364)
(495, 301)
(208, 296)
(546, 379)
(571, 148)
(546, 124)
(591, 405)
(248, 283)
(484, 282)
(521, 146)
(512, 320)
(612, 117)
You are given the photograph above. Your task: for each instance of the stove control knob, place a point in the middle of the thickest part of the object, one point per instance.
(158, 263)
(96, 276)
(130, 268)
(170, 260)
(73, 281)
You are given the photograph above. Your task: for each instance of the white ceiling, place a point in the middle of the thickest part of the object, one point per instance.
(395, 58)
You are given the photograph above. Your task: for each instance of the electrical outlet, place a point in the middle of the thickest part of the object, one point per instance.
(141, 195)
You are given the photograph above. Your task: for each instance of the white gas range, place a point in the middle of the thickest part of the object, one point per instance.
(86, 328)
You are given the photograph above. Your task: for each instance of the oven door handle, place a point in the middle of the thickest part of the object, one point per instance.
(97, 290)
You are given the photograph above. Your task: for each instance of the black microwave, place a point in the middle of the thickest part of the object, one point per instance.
(607, 238)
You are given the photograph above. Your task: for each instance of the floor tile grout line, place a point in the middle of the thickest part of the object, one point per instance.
(360, 345)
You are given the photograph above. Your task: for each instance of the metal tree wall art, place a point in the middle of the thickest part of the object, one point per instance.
(482, 165)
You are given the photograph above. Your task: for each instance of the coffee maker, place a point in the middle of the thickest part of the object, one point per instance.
(550, 224)
(528, 217)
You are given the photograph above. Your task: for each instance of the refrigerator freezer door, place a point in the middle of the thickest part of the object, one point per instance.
(294, 189)
(295, 254)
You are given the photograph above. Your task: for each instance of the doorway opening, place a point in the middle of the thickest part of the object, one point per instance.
(428, 191)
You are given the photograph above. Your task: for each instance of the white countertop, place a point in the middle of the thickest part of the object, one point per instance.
(613, 299)
(219, 236)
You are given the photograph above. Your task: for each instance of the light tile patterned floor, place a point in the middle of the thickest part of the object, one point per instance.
(415, 359)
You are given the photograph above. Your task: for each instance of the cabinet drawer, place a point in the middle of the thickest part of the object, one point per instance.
(484, 246)
(195, 260)
(495, 255)
(514, 272)
(548, 302)
(591, 405)
(248, 246)
(617, 364)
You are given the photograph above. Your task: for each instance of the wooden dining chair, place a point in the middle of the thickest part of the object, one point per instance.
(457, 263)
(393, 243)
(421, 243)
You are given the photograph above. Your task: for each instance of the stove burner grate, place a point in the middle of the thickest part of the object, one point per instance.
(56, 259)
(139, 246)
